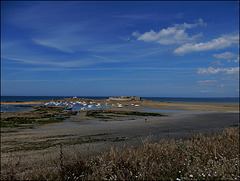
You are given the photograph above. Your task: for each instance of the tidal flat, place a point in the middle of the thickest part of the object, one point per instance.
(96, 131)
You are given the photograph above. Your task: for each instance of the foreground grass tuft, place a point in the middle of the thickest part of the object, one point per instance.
(215, 157)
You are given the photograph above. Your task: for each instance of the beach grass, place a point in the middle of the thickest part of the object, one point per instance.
(213, 157)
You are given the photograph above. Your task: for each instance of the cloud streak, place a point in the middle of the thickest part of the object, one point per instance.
(206, 82)
(172, 69)
(37, 61)
(211, 70)
(52, 44)
(204, 91)
(68, 38)
(215, 44)
(225, 55)
(88, 80)
(234, 61)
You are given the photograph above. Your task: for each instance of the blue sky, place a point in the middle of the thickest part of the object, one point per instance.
(138, 48)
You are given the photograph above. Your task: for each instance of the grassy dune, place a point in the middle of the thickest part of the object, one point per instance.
(214, 157)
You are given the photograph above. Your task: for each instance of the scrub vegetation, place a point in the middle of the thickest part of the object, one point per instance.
(214, 157)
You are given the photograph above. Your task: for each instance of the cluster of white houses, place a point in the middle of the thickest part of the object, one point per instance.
(125, 98)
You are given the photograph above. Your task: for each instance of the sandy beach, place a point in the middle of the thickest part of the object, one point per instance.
(90, 135)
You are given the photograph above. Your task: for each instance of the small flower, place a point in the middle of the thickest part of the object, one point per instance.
(191, 175)
(178, 179)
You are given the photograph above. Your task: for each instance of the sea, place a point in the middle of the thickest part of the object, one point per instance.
(227, 100)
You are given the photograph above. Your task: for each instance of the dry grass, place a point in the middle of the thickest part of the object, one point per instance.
(215, 157)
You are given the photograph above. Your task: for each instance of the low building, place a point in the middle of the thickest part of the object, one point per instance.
(125, 98)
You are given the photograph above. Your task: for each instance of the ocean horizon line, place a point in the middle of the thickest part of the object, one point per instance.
(230, 100)
(118, 96)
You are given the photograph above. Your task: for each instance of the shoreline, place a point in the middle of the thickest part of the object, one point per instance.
(126, 101)
(142, 102)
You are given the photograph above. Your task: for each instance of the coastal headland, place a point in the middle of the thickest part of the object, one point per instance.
(94, 131)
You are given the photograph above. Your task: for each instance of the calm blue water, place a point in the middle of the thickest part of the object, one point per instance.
(14, 108)
(164, 99)
(38, 98)
(226, 100)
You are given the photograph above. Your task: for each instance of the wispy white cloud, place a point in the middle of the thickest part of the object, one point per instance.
(217, 62)
(206, 82)
(88, 80)
(37, 61)
(225, 55)
(171, 35)
(172, 69)
(234, 61)
(46, 80)
(53, 44)
(136, 34)
(136, 16)
(126, 38)
(67, 39)
(17, 51)
(204, 91)
(150, 16)
(211, 70)
(105, 60)
(186, 25)
(215, 44)
(179, 16)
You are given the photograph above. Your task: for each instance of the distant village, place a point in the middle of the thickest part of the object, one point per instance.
(125, 98)
(121, 98)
